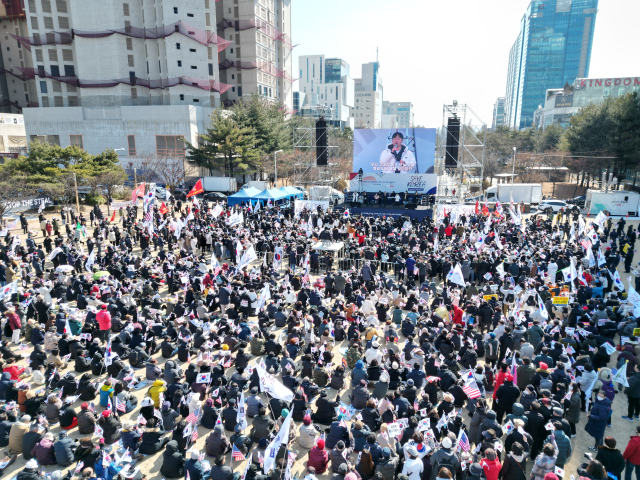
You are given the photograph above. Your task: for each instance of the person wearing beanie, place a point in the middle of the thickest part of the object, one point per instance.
(193, 467)
(110, 426)
(64, 449)
(86, 419)
(241, 441)
(307, 433)
(30, 471)
(388, 464)
(318, 457)
(131, 435)
(339, 456)
(444, 456)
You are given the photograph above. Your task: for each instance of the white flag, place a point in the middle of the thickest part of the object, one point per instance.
(271, 385)
(281, 438)
(55, 252)
(241, 417)
(617, 281)
(621, 375)
(214, 261)
(264, 296)
(455, 275)
(601, 259)
(543, 310)
(591, 258)
(91, 260)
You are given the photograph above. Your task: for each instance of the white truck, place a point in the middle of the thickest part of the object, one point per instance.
(226, 185)
(522, 192)
(259, 184)
(326, 193)
(618, 202)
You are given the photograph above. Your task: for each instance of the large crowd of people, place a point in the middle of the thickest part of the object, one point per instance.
(467, 346)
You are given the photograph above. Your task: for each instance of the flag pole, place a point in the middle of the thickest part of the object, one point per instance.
(75, 183)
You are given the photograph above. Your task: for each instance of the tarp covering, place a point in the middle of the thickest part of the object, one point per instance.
(272, 193)
(243, 195)
(292, 192)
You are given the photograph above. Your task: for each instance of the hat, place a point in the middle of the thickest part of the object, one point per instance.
(103, 306)
(284, 412)
(342, 469)
(558, 412)
(254, 390)
(166, 405)
(106, 413)
(475, 469)
(195, 453)
(410, 383)
(232, 401)
(411, 450)
(386, 453)
(263, 443)
(446, 442)
(375, 344)
(320, 444)
(543, 366)
(363, 382)
(237, 428)
(31, 464)
(492, 335)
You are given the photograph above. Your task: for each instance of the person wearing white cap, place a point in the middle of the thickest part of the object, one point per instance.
(30, 471)
(193, 466)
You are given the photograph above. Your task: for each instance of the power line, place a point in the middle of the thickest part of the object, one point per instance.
(561, 156)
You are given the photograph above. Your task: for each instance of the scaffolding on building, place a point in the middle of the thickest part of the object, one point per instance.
(464, 173)
(306, 171)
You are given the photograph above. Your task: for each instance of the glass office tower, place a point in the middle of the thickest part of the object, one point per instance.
(552, 48)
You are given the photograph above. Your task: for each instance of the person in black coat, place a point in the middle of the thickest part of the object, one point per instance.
(371, 416)
(83, 364)
(97, 365)
(38, 357)
(229, 415)
(325, 412)
(111, 427)
(337, 433)
(506, 395)
(86, 389)
(172, 461)
(152, 441)
(515, 464)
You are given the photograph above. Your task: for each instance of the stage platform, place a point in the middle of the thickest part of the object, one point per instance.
(419, 213)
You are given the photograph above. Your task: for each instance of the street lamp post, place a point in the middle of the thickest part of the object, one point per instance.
(275, 165)
(513, 168)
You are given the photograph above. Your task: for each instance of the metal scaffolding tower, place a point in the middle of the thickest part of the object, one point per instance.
(465, 175)
(306, 172)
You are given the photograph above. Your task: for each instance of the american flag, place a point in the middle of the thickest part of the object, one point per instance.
(305, 279)
(120, 406)
(217, 270)
(194, 437)
(193, 417)
(463, 441)
(470, 388)
(586, 243)
(147, 216)
(237, 454)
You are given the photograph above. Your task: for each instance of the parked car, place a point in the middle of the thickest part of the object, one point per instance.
(579, 201)
(180, 193)
(214, 196)
(547, 206)
(471, 200)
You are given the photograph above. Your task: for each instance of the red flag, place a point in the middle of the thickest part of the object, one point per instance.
(163, 209)
(477, 207)
(113, 217)
(485, 209)
(197, 188)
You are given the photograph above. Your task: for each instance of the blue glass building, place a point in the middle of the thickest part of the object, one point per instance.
(552, 48)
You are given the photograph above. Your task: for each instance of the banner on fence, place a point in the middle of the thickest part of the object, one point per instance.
(311, 205)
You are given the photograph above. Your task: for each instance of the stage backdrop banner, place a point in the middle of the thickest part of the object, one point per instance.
(397, 150)
(455, 211)
(311, 205)
(395, 182)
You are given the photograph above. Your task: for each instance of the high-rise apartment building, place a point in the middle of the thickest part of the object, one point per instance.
(553, 48)
(498, 113)
(139, 76)
(326, 88)
(367, 111)
(403, 112)
(259, 61)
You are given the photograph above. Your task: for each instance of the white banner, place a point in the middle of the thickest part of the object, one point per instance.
(271, 385)
(395, 182)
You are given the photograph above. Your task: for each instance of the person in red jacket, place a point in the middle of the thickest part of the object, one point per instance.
(104, 320)
(456, 314)
(503, 374)
(14, 370)
(318, 457)
(15, 324)
(632, 456)
(490, 464)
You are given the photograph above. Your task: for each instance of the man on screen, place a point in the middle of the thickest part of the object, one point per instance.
(397, 158)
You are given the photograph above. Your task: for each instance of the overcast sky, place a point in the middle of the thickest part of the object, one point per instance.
(435, 51)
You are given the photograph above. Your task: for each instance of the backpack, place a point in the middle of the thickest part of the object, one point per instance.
(545, 384)
(607, 388)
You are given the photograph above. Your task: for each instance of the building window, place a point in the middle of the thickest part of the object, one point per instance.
(194, 67)
(34, 23)
(58, 102)
(129, 43)
(43, 87)
(125, 9)
(67, 55)
(32, 6)
(130, 61)
(239, 91)
(134, 94)
(63, 23)
(177, 46)
(55, 70)
(48, 23)
(76, 140)
(182, 97)
(196, 100)
(179, 63)
(233, 89)
(175, 9)
(190, 15)
(131, 142)
(192, 50)
(170, 145)
(211, 69)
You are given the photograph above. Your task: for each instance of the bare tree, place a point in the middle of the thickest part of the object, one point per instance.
(110, 182)
(10, 192)
(168, 170)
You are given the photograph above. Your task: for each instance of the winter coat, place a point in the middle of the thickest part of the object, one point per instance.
(632, 452)
(475, 432)
(512, 469)
(63, 449)
(111, 427)
(318, 459)
(612, 460)
(443, 456)
(542, 465)
(172, 461)
(573, 412)
(151, 440)
(44, 452)
(371, 418)
(359, 437)
(217, 442)
(307, 436)
(564, 449)
(16, 435)
(336, 433)
(597, 422)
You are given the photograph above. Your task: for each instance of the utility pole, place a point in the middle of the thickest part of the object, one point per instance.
(275, 165)
(135, 178)
(75, 183)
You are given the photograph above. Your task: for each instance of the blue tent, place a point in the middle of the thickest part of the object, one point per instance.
(272, 194)
(292, 192)
(243, 195)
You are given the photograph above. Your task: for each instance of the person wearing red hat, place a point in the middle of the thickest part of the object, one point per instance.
(318, 457)
(104, 320)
